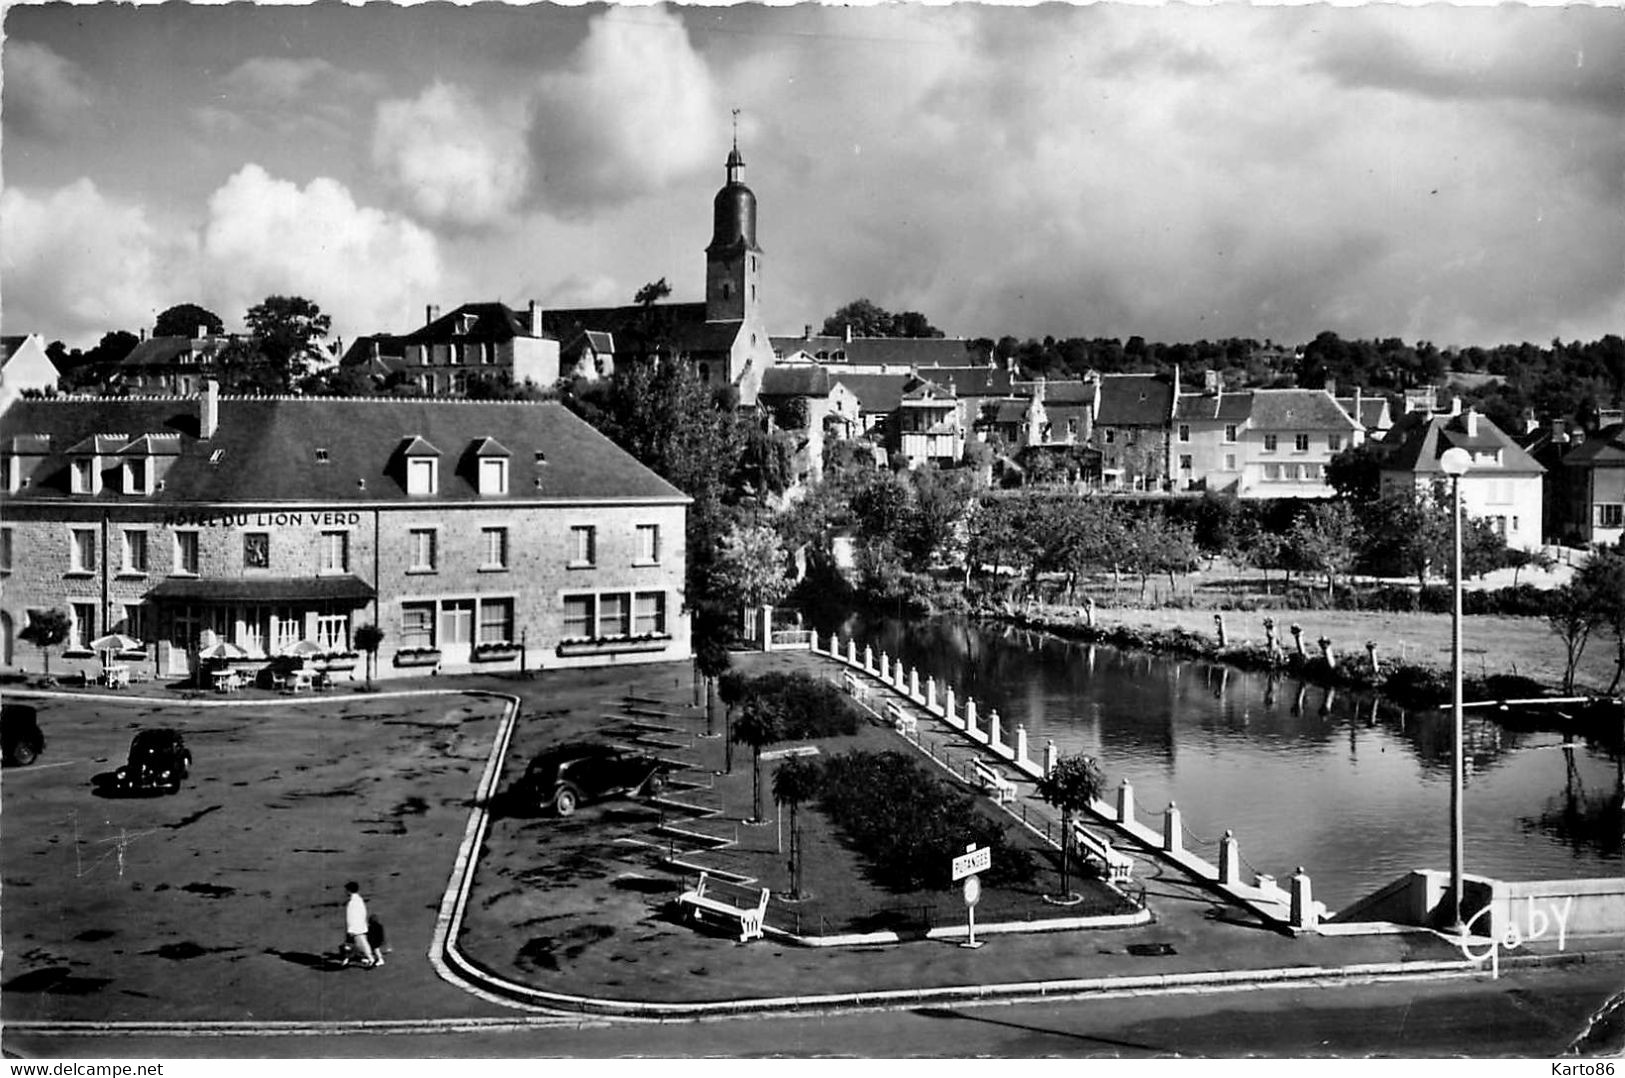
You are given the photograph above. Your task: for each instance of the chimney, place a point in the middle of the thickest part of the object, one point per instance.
(209, 409)
(1455, 404)
(202, 332)
(849, 333)
(1331, 386)
(806, 332)
(1558, 433)
(1210, 382)
(430, 313)
(1472, 421)
(535, 319)
(1359, 399)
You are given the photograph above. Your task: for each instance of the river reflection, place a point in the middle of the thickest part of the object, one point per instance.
(1355, 792)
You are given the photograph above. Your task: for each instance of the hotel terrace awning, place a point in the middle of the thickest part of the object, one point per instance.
(279, 589)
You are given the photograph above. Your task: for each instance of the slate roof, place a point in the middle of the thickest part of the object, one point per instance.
(9, 345)
(1417, 441)
(1297, 409)
(1232, 407)
(1604, 449)
(492, 322)
(888, 351)
(166, 351)
(800, 380)
(1134, 400)
(1371, 409)
(970, 381)
(267, 449)
(1067, 391)
(875, 392)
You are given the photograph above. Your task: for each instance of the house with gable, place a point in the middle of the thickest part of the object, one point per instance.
(24, 365)
(1132, 417)
(1589, 489)
(1503, 482)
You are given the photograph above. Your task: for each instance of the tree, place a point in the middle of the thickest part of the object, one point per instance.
(796, 781)
(750, 565)
(1571, 615)
(1602, 582)
(732, 686)
(867, 319)
(285, 330)
(1072, 785)
(652, 293)
(45, 630)
(1356, 472)
(369, 638)
(1326, 539)
(760, 724)
(185, 319)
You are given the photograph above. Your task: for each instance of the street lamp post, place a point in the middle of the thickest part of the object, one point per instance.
(1455, 462)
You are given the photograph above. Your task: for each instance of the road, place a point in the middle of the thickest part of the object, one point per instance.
(1535, 1013)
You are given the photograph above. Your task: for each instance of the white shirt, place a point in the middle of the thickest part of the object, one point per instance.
(355, 916)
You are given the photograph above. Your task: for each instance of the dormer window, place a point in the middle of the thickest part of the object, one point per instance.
(321, 456)
(493, 475)
(86, 477)
(465, 325)
(422, 467)
(138, 476)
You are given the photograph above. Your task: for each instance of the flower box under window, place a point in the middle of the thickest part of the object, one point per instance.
(417, 657)
(496, 652)
(337, 661)
(613, 645)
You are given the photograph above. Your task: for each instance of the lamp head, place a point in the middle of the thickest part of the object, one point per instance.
(1455, 462)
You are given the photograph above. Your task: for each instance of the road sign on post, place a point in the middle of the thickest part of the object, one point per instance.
(965, 868)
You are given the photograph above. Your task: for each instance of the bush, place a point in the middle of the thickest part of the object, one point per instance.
(812, 708)
(909, 824)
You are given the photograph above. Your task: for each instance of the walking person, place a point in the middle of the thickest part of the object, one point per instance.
(355, 926)
(375, 936)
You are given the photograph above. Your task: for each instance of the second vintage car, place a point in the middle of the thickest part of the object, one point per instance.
(564, 777)
(159, 761)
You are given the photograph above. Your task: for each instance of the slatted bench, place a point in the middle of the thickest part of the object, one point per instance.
(994, 784)
(1119, 865)
(902, 721)
(699, 908)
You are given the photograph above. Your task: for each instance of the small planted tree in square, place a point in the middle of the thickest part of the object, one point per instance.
(761, 723)
(1071, 786)
(45, 630)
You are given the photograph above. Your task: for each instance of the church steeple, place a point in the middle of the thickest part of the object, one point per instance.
(732, 259)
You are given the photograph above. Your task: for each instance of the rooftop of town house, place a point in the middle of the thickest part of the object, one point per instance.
(473, 322)
(325, 449)
(1604, 449)
(1135, 400)
(1418, 440)
(1056, 391)
(795, 380)
(875, 392)
(886, 351)
(1298, 409)
(1230, 407)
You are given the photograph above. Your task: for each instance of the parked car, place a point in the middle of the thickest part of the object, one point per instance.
(19, 729)
(159, 761)
(562, 778)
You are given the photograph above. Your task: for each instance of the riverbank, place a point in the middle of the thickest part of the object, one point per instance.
(1413, 649)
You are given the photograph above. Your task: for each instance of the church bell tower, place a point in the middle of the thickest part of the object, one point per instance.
(733, 262)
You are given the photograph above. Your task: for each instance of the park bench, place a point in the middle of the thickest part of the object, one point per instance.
(1119, 865)
(700, 908)
(902, 721)
(994, 784)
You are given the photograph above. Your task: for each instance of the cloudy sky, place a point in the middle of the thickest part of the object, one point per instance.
(1447, 174)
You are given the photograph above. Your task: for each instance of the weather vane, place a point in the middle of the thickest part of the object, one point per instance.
(736, 129)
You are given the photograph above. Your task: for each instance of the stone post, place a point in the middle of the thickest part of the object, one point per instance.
(1229, 860)
(970, 716)
(993, 733)
(1051, 756)
(868, 658)
(851, 651)
(1297, 640)
(1218, 623)
(931, 694)
(1172, 829)
(948, 706)
(1021, 744)
(1089, 612)
(901, 678)
(1371, 653)
(765, 614)
(1326, 650)
(1304, 915)
(914, 684)
(1125, 801)
(1272, 642)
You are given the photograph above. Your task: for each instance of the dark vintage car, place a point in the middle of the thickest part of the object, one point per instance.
(159, 761)
(562, 778)
(19, 729)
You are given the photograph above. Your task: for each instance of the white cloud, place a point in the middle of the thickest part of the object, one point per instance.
(454, 158)
(45, 94)
(365, 267)
(75, 263)
(635, 111)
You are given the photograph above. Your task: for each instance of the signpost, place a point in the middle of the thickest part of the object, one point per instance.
(966, 868)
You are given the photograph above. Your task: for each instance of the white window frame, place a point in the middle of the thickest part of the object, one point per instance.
(180, 546)
(614, 615)
(85, 476)
(493, 475)
(585, 622)
(1184, 432)
(506, 626)
(5, 549)
(82, 550)
(583, 546)
(333, 542)
(128, 548)
(1231, 433)
(138, 468)
(1300, 443)
(1271, 442)
(494, 548)
(413, 635)
(422, 475)
(648, 544)
(415, 561)
(649, 613)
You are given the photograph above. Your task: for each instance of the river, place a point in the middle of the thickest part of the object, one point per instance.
(1354, 791)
